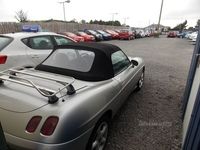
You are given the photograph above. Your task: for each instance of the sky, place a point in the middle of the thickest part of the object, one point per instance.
(136, 13)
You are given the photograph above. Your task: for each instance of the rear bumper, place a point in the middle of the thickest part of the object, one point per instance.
(79, 143)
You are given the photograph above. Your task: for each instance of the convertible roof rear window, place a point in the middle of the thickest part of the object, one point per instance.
(72, 59)
(84, 61)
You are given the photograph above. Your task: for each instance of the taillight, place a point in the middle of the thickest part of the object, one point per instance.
(49, 125)
(33, 124)
(3, 59)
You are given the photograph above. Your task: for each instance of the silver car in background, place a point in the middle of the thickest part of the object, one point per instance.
(28, 49)
(67, 101)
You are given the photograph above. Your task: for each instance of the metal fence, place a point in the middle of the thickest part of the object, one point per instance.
(8, 27)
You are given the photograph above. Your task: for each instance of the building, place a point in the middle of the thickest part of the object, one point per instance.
(153, 28)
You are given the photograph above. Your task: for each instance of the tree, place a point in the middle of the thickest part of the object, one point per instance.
(73, 21)
(21, 16)
(191, 28)
(83, 21)
(198, 24)
(101, 22)
(180, 27)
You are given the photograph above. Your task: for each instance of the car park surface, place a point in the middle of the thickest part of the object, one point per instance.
(151, 118)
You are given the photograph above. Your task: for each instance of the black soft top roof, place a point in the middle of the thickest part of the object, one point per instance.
(106, 48)
(101, 69)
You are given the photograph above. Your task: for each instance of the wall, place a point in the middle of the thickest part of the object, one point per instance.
(54, 26)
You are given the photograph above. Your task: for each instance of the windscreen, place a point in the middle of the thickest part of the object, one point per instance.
(91, 31)
(100, 31)
(72, 59)
(4, 41)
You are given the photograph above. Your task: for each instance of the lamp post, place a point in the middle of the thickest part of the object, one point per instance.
(113, 15)
(125, 18)
(63, 3)
(160, 15)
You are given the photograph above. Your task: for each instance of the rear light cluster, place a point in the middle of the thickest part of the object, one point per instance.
(3, 59)
(47, 128)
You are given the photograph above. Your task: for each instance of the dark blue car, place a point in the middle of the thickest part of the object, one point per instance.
(106, 36)
(98, 36)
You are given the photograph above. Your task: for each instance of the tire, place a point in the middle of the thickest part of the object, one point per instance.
(140, 82)
(99, 136)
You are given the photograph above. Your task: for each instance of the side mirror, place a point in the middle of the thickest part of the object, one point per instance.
(134, 63)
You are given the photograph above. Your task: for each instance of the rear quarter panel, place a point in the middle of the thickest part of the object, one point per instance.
(16, 55)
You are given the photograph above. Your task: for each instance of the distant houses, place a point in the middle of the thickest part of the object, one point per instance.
(153, 28)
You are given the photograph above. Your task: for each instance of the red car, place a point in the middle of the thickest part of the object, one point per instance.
(126, 34)
(87, 38)
(172, 34)
(114, 34)
(73, 36)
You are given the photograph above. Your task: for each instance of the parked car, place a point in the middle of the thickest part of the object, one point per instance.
(28, 49)
(117, 30)
(68, 101)
(138, 34)
(183, 34)
(172, 34)
(126, 34)
(73, 36)
(106, 36)
(192, 35)
(87, 38)
(142, 33)
(188, 34)
(114, 34)
(98, 37)
(147, 33)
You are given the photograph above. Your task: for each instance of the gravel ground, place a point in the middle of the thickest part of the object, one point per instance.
(151, 118)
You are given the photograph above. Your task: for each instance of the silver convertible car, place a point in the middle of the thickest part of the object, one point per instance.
(67, 101)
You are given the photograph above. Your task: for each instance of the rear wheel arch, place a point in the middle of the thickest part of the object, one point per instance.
(108, 114)
(105, 118)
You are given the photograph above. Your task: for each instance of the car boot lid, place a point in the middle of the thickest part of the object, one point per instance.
(28, 89)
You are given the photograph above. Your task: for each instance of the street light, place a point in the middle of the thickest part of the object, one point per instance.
(125, 18)
(113, 14)
(160, 14)
(63, 3)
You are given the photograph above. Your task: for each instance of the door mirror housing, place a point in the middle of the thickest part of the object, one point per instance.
(134, 63)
